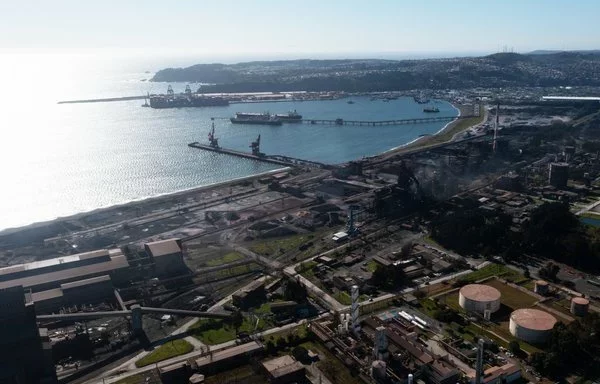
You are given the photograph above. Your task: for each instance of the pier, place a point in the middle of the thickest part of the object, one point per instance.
(340, 121)
(419, 120)
(286, 161)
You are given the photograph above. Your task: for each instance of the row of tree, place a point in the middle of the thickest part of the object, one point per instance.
(573, 348)
(552, 232)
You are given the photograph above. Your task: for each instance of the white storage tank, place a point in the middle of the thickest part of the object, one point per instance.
(479, 298)
(579, 306)
(541, 287)
(531, 325)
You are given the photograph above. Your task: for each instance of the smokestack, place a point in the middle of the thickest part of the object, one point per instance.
(354, 308)
(496, 127)
(479, 364)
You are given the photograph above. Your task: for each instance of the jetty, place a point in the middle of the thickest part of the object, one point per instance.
(286, 161)
(418, 120)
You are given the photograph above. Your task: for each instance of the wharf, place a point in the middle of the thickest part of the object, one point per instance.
(273, 159)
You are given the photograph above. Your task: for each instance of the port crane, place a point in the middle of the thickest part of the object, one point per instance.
(255, 147)
(212, 140)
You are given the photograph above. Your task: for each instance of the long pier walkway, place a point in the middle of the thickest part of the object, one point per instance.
(273, 159)
(418, 120)
(340, 121)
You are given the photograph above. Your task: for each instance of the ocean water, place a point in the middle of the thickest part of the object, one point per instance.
(57, 160)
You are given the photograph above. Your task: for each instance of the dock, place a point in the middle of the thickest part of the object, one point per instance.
(273, 159)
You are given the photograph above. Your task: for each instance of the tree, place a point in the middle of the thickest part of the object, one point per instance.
(549, 271)
(514, 347)
(300, 353)
(270, 346)
(237, 319)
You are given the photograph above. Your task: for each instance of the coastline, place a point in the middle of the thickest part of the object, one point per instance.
(172, 197)
(437, 138)
(131, 204)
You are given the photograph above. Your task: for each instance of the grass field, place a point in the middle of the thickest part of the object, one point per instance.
(211, 331)
(301, 331)
(499, 270)
(343, 298)
(165, 351)
(277, 247)
(512, 297)
(372, 266)
(228, 258)
(238, 270)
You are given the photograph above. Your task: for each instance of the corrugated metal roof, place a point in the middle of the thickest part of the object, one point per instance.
(84, 282)
(56, 261)
(116, 262)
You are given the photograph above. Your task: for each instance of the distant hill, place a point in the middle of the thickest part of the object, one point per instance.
(362, 75)
(550, 51)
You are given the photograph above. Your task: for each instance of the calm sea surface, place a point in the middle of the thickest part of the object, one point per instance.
(58, 160)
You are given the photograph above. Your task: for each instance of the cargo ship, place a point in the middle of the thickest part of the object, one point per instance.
(186, 99)
(290, 117)
(256, 118)
(431, 109)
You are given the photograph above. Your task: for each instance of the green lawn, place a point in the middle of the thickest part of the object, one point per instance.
(238, 270)
(301, 331)
(512, 297)
(372, 266)
(211, 331)
(343, 298)
(499, 270)
(277, 247)
(228, 258)
(165, 351)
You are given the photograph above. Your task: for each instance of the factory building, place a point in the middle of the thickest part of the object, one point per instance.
(49, 274)
(88, 291)
(558, 175)
(167, 256)
(249, 296)
(479, 298)
(284, 369)
(504, 374)
(25, 351)
(579, 306)
(531, 325)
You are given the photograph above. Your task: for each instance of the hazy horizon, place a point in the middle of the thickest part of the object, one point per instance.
(283, 29)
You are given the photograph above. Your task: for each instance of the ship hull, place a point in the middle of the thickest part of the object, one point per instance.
(255, 121)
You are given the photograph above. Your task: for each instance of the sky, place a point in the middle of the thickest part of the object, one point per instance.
(296, 28)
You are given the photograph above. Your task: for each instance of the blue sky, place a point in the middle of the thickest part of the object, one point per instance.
(296, 27)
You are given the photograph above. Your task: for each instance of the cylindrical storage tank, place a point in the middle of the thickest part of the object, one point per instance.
(378, 368)
(579, 306)
(479, 298)
(531, 325)
(541, 287)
